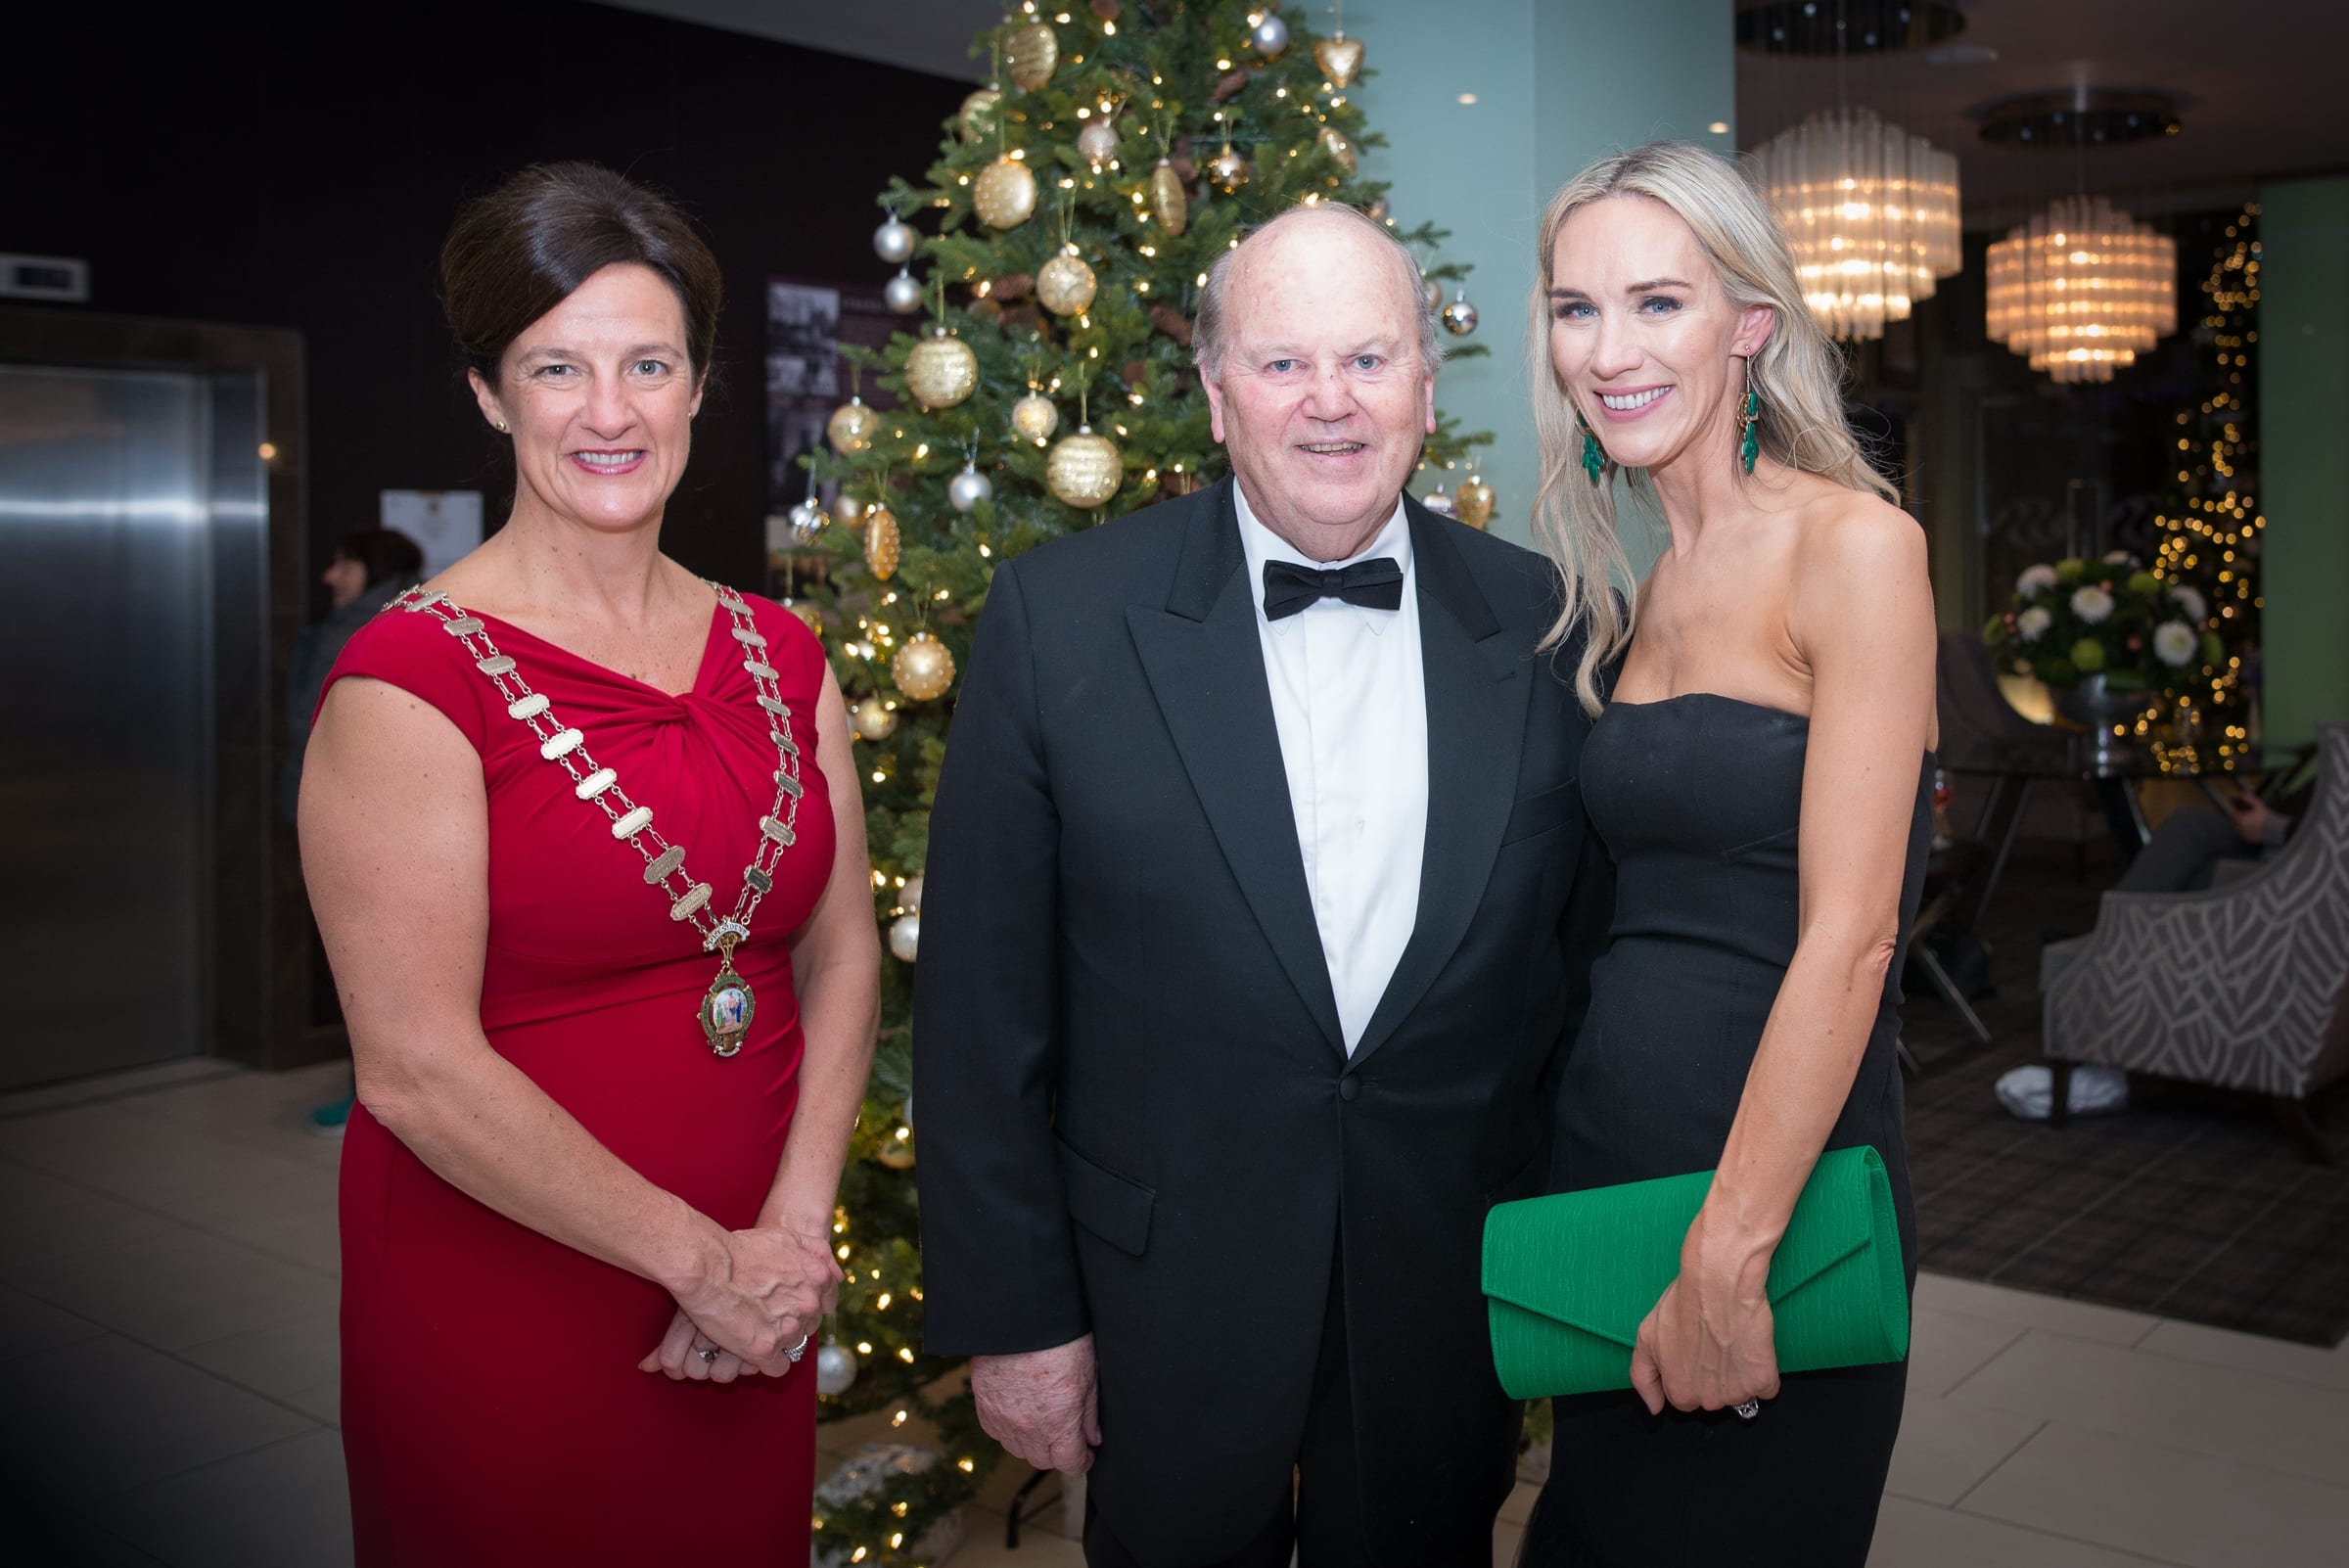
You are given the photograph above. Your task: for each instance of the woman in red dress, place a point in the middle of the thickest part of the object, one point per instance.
(585, 1214)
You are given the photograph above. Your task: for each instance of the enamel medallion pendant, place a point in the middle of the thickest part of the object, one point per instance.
(726, 1009)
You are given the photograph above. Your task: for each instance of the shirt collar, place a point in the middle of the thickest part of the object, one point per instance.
(1260, 544)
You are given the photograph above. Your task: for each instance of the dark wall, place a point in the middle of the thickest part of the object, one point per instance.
(301, 168)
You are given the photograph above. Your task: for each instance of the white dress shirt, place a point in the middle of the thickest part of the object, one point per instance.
(1350, 700)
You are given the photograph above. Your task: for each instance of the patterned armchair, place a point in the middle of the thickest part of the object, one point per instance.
(2245, 986)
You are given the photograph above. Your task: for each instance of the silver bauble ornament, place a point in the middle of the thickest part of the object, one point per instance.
(1066, 285)
(1434, 294)
(835, 1369)
(1034, 417)
(1085, 469)
(1270, 36)
(1098, 142)
(905, 937)
(903, 292)
(941, 371)
(966, 489)
(1439, 503)
(872, 719)
(894, 241)
(1459, 316)
(808, 519)
(909, 899)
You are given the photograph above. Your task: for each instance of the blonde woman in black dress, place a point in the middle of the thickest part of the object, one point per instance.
(1761, 779)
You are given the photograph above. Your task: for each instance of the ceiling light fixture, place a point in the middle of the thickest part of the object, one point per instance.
(2082, 289)
(1870, 212)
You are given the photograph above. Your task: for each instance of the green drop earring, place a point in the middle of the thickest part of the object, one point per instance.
(1594, 456)
(1749, 411)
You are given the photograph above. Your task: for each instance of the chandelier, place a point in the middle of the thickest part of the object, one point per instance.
(1870, 212)
(2082, 289)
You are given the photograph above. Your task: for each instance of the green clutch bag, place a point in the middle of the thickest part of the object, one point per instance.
(1569, 1278)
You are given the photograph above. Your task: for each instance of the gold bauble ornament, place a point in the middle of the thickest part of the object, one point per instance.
(882, 542)
(808, 615)
(1005, 194)
(848, 510)
(1339, 57)
(923, 667)
(1030, 55)
(975, 120)
(1034, 417)
(853, 427)
(941, 371)
(1472, 502)
(1228, 170)
(1339, 148)
(1085, 469)
(1066, 285)
(872, 719)
(1168, 203)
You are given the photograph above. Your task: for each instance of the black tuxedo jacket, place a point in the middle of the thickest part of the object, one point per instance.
(1134, 1108)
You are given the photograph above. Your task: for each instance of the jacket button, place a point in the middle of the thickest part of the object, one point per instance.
(1349, 1086)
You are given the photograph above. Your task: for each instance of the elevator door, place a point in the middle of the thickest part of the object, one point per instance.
(105, 752)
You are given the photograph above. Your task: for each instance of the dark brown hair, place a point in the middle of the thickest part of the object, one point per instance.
(384, 553)
(519, 251)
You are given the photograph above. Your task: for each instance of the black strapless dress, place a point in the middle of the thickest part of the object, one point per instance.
(1698, 798)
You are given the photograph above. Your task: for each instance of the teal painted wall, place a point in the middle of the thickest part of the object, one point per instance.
(1556, 87)
(2304, 455)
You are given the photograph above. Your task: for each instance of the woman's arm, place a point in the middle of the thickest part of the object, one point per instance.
(395, 847)
(395, 840)
(1862, 615)
(836, 971)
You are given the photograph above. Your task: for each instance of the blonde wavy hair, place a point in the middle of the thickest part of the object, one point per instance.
(1798, 373)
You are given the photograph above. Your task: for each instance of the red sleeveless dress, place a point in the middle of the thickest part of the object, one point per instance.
(493, 1412)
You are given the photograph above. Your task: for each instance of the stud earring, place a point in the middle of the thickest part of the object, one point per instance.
(1594, 456)
(1749, 412)
(501, 427)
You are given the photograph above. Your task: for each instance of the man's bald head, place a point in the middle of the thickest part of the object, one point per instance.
(1332, 222)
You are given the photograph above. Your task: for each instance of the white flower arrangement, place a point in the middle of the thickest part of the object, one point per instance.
(2091, 604)
(2035, 580)
(2175, 644)
(2032, 624)
(2190, 599)
(2120, 558)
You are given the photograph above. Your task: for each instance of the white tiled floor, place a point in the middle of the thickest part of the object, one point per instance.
(169, 1378)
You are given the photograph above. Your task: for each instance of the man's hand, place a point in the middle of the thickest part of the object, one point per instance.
(1041, 1405)
(2251, 816)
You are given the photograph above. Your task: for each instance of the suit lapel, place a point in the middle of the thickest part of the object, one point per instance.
(1206, 666)
(1477, 690)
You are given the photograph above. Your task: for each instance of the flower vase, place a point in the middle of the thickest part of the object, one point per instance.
(2090, 705)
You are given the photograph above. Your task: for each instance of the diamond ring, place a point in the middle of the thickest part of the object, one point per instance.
(708, 1354)
(1749, 1409)
(795, 1352)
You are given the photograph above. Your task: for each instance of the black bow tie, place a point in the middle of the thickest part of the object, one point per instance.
(1374, 584)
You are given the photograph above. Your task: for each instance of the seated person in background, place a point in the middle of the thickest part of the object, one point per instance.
(2184, 854)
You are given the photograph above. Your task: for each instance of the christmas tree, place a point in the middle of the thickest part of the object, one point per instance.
(1077, 203)
(2210, 521)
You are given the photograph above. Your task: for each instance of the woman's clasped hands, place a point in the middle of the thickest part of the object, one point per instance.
(752, 1308)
